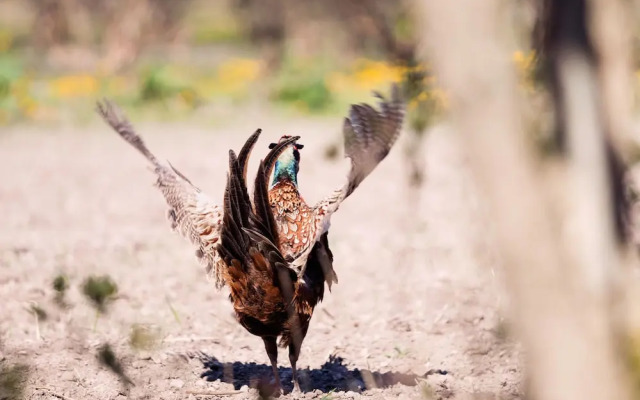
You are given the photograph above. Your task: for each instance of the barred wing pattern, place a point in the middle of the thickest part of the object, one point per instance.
(191, 213)
(369, 135)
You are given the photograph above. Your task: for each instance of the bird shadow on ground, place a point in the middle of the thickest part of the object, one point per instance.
(333, 375)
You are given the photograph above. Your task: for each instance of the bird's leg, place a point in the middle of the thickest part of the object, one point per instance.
(294, 352)
(271, 347)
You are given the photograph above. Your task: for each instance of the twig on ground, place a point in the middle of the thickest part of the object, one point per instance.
(52, 393)
(191, 339)
(214, 393)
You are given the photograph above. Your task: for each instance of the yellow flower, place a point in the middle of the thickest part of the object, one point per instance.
(434, 100)
(74, 86)
(422, 96)
(21, 87)
(28, 106)
(374, 74)
(4, 117)
(6, 40)
(338, 82)
(440, 99)
(236, 73)
(525, 63)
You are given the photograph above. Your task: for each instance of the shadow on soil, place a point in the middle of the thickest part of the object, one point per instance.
(333, 375)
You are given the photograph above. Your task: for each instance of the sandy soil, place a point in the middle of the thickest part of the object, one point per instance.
(417, 292)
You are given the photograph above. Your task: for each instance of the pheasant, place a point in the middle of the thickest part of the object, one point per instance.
(273, 252)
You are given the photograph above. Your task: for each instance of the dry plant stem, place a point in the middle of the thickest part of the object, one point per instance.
(563, 329)
(213, 392)
(38, 335)
(173, 310)
(192, 339)
(52, 393)
(95, 320)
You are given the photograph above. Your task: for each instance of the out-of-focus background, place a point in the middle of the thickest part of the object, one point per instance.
(193, 56)
(466, 260)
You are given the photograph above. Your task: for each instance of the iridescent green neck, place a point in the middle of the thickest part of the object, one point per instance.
(285, 171)
(286, 168)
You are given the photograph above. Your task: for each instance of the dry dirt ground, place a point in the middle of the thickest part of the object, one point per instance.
(417, 291)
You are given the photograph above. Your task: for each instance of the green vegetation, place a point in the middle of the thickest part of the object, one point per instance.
(13, 381)
(100, 291)
(143, 337)
(303, 86)
(60, 286)
(174, 312)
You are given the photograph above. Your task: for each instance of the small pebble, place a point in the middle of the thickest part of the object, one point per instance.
(176, 383)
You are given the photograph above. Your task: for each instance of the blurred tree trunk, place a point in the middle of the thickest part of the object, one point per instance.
(562, 25)
(132, 26)
(63, 33)
(349, 28)
(554, 222)
(52, 22)
(125, 26)
(264, 21)
(122, 28)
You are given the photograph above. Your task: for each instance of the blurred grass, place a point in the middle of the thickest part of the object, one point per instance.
(13, 380)
(218, 67)
(217, 64)
(144, 337)
(100, 290)
(60, 286)
(174, 89)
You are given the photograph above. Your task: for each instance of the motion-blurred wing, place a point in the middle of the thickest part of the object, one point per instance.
(369, 135)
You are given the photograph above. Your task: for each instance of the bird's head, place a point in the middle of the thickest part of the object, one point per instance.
(288, 164)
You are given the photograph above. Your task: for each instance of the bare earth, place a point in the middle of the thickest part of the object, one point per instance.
(416, 314)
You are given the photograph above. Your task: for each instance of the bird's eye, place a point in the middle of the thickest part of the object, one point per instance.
(272, 145)
(299, 146)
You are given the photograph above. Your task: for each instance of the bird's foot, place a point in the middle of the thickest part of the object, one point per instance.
(296, 387)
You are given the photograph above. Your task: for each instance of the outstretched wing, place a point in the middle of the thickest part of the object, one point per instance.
(192, 213)
(369, 135)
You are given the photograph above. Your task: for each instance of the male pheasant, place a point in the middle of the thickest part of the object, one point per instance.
(273, 253)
